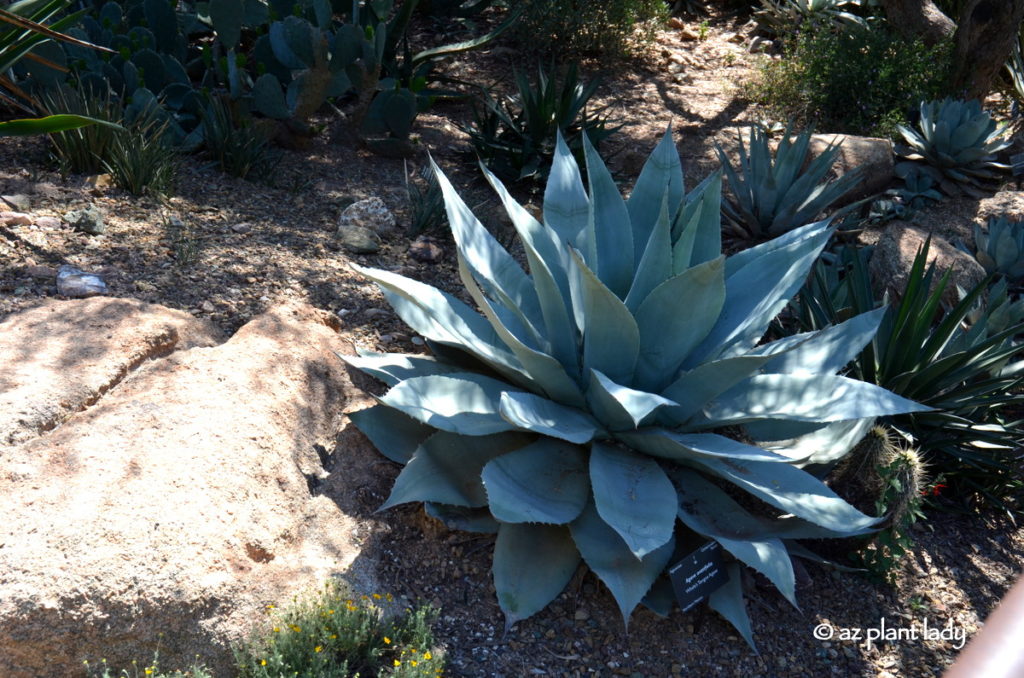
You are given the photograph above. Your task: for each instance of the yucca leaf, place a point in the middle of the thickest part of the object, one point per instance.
(607, 226)
(532, 564)
(396, 435)
(460, 402)
(825, 351)
(627, 577)
(660, 184)
(790, 490)
(728, 602)
(532, 412)
(634, 496)
(446, 468)
(544, 482)
(620, 407)
(50, 124)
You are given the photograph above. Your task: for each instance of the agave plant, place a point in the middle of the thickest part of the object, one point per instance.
(775, 195)
(580, 413)
(957, 143)
(779, 17)
(1001, 249)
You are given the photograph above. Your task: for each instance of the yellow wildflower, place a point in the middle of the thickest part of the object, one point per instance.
(263, 662)
(413, 662)
(295, 628)
(427, 656)
(387, 641)
(398, 663)
(376, 596)
(318, 648)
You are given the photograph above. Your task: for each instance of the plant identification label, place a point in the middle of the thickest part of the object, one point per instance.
(698, 575)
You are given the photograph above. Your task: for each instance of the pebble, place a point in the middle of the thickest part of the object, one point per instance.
(425, 249)
(76, 283)
(242, 228)
(18, 201)
(48, 222)
(208, 307)
(88, 220)
(38, 271)
(418, 341)
(16, 218)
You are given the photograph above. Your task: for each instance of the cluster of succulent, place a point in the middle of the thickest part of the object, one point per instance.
(1000, 248)
(779, 17)
(516, 136)
(955, 142)
(775, 193)
(579, 414)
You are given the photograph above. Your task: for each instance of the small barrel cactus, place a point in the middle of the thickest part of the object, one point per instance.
(957, 142)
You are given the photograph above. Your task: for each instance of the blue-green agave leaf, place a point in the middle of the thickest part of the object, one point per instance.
(655, 265)
(396, 435)
(634, 496)
(475, 519)
(607, 225)
(817, 450)
(668, 330)
(534, 413)
(742, 258)
(493, 268)
(392, 368)
(682, 447)
(446, 469)
(628, 578)
(544, 482)
(620, 407)
(806, 397)
(694, 389)
(698, 227)
(825, 351)
(611, 339)
(532, 564)
(545, 371)
(709, 511)
(461, 402)
(728, 602)
(566, 206)
(660, 184)
(791, 490)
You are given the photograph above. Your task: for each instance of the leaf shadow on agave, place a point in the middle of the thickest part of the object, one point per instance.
(578, 412)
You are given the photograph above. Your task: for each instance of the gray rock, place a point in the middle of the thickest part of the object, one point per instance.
(426, 249)
(49, 223)
(894, 256)
(873, 156)
(18, 201)
(88, 220)
(15, 218)
(371, 214)
(358, 240)
(77, 284)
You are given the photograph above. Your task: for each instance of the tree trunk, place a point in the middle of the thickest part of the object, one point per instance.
(919, 19)
(984, 41)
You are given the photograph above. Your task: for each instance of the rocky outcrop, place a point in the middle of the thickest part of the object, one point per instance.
(894, 256)
(872, 156)
(59, 358)
(171, 512)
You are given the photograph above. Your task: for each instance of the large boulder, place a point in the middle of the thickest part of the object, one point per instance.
(59, 357)
(894, 256)
(874, 158)
(171, 512)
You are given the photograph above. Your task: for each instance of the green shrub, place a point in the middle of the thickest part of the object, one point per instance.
(332, 635)
(855, 82)
(957, 361)
(609, 28)
(606, 374)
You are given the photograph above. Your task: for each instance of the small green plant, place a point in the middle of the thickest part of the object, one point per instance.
(702, 30)
(602, 28)
(606, 374)
(152, 670)
(776, 192)
(1000, 248)
(184, 241)
(140, 159)
(852, 82)
(958, 361)
(239, 148)
(83, 150)
(516, 137)
(956, 142)
(335, 635)
(426, 205)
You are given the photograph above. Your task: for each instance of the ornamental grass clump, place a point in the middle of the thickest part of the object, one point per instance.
(579, 413)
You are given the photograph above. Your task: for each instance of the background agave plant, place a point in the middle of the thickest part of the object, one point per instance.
(1001, 248)
(775, 193)
(780, 17)
(957, 142)
(579, 413)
